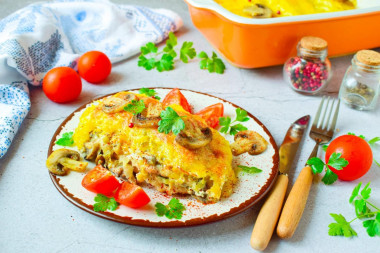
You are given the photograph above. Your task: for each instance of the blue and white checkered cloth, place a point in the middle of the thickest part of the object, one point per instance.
(46, 35)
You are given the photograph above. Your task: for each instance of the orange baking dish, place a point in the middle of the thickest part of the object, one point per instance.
(254, 43)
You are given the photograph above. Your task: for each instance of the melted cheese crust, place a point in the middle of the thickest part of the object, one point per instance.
(282, 8)
(208, 169)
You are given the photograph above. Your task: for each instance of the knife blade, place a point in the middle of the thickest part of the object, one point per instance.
(270, 211)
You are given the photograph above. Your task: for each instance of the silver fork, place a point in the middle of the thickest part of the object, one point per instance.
(322, 132)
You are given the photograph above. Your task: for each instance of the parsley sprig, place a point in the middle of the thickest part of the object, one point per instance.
(150, 56)
(174, 209)
(170, 121)
(103, 203)
(135, 107)
(66, 139)
(342, 227)
(149, 93)
(335, 161)
(226, 122)
(213, 64)
(250, 170)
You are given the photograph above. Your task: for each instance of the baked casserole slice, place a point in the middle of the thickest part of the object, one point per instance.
(196, 162)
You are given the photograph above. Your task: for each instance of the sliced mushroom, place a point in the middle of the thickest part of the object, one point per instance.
(62, 160)
(117, 104)
(194, 135)
(140, 120)
(248, 141)
(258, 11)
(92, 150)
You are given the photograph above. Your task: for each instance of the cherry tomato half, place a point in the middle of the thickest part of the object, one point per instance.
(94, 66)
(211, 114)
(176, 97)
(131, 195)
(100, 180)
(356, 151)
(62, 84)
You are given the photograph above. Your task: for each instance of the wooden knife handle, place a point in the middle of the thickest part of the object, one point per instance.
(268, 216)
(295, 204)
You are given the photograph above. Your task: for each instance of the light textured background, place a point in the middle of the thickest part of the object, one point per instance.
(34, 217)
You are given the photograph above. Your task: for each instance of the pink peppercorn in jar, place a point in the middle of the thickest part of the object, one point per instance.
(310, 70)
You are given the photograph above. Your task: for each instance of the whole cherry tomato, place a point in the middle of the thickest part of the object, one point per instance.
(100, 180)
(94, 66)
(211, 114)
(356, 151)
(131, 195)
(176, 97)
(62, 84)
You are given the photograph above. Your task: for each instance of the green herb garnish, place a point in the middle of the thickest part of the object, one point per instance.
(170, 121)
(151, 58)
(226, 122)
(103, 203)
(149, 93)
(66, 139)
(250, 170)
(135, 107)
(213, 64)
(172, 210)
(335, 161)
(372, 218)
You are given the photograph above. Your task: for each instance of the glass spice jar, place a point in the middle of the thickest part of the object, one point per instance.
(361, 83)
(310, 70)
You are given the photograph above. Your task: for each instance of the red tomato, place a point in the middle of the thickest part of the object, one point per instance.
(94, 66)
(356, 151)
(211, 114)
(62, 84)
(131, 195)
(100, 180)
(176, 97)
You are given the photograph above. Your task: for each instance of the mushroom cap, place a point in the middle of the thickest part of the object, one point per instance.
(195, 134)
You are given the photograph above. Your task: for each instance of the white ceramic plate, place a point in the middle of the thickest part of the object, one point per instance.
(249, 189)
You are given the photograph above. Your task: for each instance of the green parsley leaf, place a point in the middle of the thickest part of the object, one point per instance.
(241, 115)
(103, 203)
(360, 136)
(174, 209)
(324, 147)
(166, 63)
(355, 192)
(149, 48)
(170, 121)
(187, 51)
(361, 209)
(366, 191)
(146, 63)
(225, 123)
(341, 227)
(337, 162)
(374, 140)
(66, 139)
(373, 226)
(171, 42)
(161, 209)
(316, 164)
(237, 128)
(213, 64)
(149, 93)
(250, 170)
(329, 177)
(135, 107)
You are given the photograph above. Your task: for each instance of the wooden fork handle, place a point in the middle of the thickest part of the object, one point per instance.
(295, 204)
(269, 213)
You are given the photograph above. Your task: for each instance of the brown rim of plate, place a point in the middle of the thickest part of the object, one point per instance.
(175, 223)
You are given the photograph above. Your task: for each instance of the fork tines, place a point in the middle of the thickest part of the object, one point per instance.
(323, 122)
